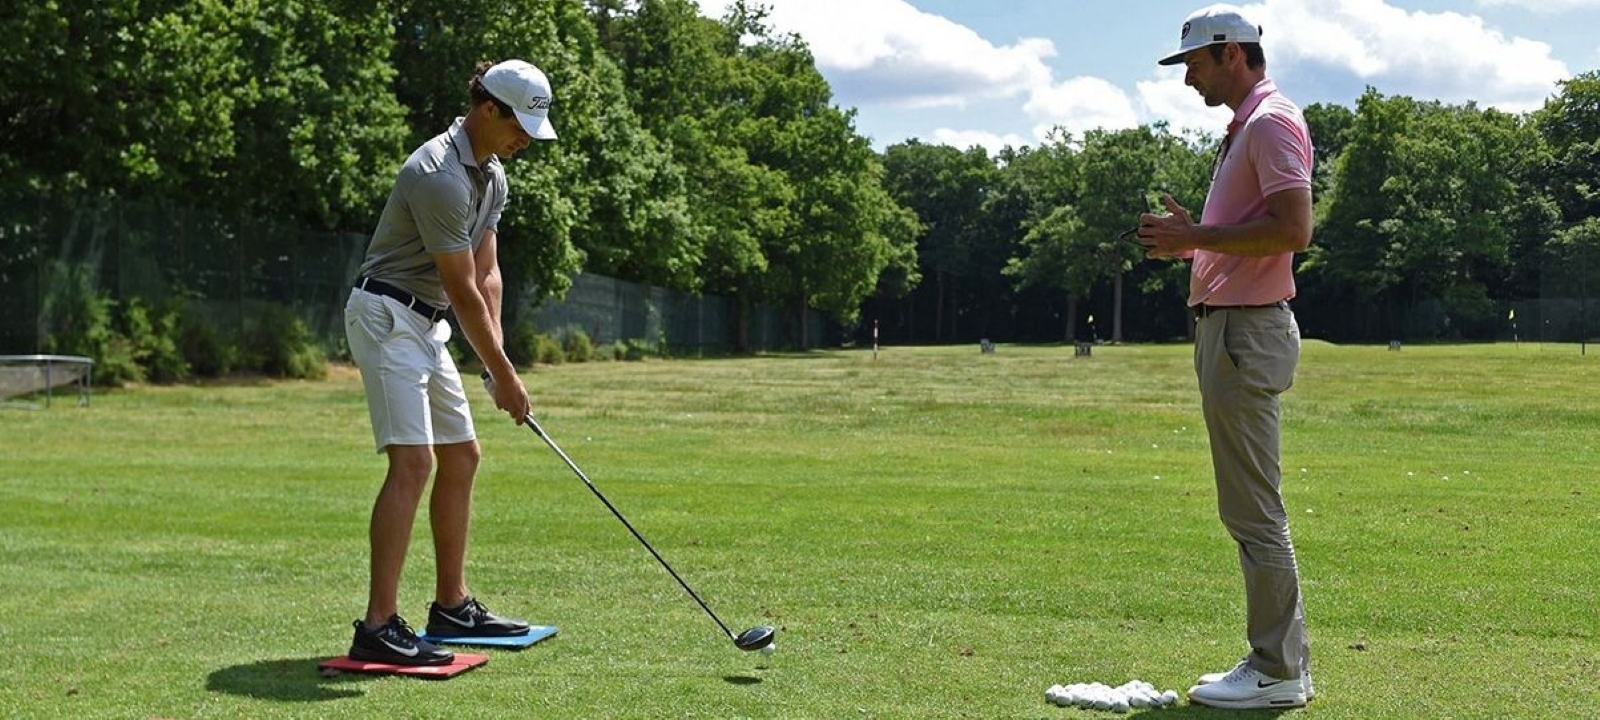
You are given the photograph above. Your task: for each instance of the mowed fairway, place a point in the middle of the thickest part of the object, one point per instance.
(936, 533)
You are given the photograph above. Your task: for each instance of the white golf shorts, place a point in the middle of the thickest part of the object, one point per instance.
(414, 391)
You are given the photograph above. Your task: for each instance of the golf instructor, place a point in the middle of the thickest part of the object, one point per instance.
(1257, 215)
(433, 251)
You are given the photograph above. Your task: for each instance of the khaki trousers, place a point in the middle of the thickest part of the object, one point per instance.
(1244, 358)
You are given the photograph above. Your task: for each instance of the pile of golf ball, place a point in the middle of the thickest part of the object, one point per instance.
(1133, 694)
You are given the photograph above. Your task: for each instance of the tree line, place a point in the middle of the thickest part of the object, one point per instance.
(708, 155)
(1431, 220)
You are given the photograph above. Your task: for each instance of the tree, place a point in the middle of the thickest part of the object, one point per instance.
(117, 96)
(947, 189)
(1116, 176)
(1570, 124)
(839, 225)
(1418, 215)
(1330, 131)
(319, 132)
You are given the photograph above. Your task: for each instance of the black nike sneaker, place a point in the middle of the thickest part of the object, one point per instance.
(395, 643)
(472, 619)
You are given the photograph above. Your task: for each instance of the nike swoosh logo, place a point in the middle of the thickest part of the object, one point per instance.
(468, 623)
(406, 651)
(1260, 684)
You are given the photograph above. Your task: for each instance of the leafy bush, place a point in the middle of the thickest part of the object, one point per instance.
(153, 341)
(204, 348)
(548, 350)
(636, 349)
(78, 319)
(578, 346)
(275, 341)
(522, 346)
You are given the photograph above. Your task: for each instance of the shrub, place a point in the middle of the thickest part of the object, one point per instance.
(276, 342)
(78, 319)
(522, 346)
(153, 341)
(206, 351)
(578, 346)
(639, 349)
(548, 350)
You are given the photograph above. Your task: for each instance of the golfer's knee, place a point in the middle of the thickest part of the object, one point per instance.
(459, 458)
(410, 465)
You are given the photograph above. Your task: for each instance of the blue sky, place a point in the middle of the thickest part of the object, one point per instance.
(1004, 72)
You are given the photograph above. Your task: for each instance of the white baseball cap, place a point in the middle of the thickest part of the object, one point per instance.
(522, 86)
(1210, 26)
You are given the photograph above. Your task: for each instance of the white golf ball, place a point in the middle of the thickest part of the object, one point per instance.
(769, 649)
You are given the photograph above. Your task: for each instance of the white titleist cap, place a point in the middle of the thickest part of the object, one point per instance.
(1213, 25)
(522, 86)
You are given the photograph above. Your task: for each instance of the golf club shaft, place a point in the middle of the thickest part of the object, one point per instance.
(534, 426)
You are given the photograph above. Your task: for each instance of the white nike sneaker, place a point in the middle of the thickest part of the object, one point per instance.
(1305, 682)
(1245, 688)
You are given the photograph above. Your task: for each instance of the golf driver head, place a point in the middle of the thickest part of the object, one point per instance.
(755, 638)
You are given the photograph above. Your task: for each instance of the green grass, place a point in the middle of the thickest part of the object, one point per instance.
(937, 533)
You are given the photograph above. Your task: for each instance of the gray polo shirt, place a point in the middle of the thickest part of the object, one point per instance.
(442, 203)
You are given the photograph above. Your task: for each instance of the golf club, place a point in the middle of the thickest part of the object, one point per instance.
(753, 639)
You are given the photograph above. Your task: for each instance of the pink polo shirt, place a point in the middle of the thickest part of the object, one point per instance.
(1270, 152)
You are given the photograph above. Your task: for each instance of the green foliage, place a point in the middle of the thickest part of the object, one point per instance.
(208, 351)
(547, 350)
(708, 155)
(276, 341)
(521, 343)
(1570, 124)
(1429, 203)
(154, 341)
(320, 76)
(635, 349)
(78, 319)
(577, 345)
(75, 317)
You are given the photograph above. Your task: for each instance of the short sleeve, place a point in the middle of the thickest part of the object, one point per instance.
(497, 198)
(1280, 151)
(440, 206)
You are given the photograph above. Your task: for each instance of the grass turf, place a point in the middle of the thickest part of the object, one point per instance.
(936, 533)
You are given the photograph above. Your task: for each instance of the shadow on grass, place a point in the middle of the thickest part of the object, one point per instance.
(293, 680)
(1201, 712)
(741, 679)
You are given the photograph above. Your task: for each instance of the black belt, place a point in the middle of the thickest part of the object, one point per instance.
(380, 287)
(1203, 309)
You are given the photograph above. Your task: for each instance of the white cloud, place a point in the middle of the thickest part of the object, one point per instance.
(989, 141)
(1446, 55)
(1078, 105)
(889, 53)
(886, 56)
(1165, 97)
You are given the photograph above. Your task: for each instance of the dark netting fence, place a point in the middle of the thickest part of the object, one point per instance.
(227, 268)
(231, 269)
(608, 310)
(1567, 310)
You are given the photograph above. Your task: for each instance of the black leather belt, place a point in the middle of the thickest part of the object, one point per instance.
(379, 287)
(1203, 309)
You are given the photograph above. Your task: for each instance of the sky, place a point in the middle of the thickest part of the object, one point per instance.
(1006, 72)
